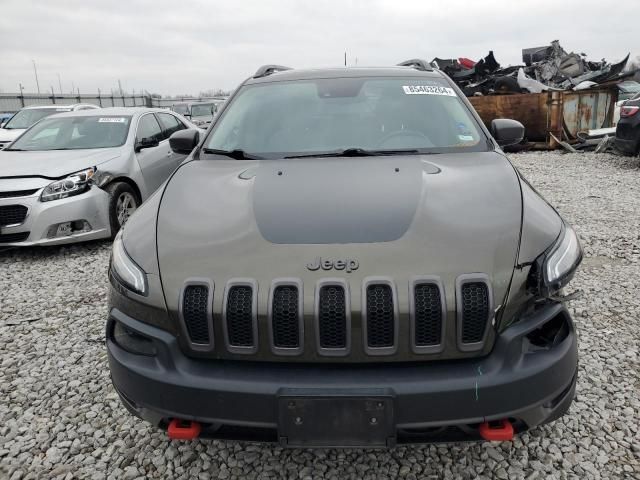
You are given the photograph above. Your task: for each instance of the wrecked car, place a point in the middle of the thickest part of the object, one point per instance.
(80, 175)
(627, 138)
(347, 258)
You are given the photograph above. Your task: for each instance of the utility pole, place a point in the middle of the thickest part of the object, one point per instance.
(36, 73)
(120, 87)
(60, 84)
(345, 59)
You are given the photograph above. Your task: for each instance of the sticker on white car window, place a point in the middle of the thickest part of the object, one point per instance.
(112, 120)
(428, 90)
(465, 138)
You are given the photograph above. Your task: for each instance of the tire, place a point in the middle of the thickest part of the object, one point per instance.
(123, 201)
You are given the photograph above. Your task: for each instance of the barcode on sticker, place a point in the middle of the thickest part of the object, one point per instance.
(111, 120)
(428, 90)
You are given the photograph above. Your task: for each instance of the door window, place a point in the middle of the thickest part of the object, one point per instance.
(148, 128)
(170, 124)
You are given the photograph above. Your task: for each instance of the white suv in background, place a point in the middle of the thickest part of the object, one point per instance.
(26, 117)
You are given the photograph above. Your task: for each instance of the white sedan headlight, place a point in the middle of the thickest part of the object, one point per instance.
(125, 269)
(74, 184)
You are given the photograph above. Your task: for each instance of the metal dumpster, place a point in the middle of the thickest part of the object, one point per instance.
(562, 114)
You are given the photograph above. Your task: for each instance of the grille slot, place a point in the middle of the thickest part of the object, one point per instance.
(474, 307)
(332, 317)
(195, 312)
(240, 318)
(285, 317)
(14, 237)
(381, 318)
(12, 214)
(427, 316)
(18, 193)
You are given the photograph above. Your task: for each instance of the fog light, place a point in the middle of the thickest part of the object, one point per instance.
(132, 341)
(66, 229)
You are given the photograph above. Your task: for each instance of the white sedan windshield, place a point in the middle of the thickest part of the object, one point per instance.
(75, 133)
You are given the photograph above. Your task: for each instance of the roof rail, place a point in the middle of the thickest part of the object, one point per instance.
(418, 64)
(266, 70)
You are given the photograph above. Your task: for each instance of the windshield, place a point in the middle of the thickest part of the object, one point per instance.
(26, 118)
(326, 115)
(75, 133)
(203, 109)
(181, 108)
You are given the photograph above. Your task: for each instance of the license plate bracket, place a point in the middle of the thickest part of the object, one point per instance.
(336, 421)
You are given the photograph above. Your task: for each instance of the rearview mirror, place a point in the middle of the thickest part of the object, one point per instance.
(147, 142)
(183, 141)
(506, 131)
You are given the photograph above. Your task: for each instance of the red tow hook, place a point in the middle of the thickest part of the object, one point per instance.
(498, 431)
(183, 429)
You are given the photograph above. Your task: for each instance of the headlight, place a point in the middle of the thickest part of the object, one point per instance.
(125, 270)
(555, 268)
(74, 184)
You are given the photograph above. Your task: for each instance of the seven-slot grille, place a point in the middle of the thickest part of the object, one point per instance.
(380, 316)
(195, 311)
(475, 311)
(239, 316)
(12, 214)
(332, 317)
(427, 315)
(285, 317)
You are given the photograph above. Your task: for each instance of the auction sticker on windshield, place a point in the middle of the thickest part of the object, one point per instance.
(428, 90)
(112, 120)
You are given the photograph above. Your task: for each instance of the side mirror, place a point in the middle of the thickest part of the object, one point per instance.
(506, 131)
(183, 141)
(147, 142)
(2, 124)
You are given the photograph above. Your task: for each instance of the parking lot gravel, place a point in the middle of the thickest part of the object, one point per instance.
(60, 417)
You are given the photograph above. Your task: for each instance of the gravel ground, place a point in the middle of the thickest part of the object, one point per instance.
(60, 418)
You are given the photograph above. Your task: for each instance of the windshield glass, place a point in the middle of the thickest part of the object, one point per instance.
(26, 118)
(203, 109)
(75, 133)
(181, 108)
(327, 115)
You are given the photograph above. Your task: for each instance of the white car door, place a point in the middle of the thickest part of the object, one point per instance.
(170, 124)
(152, 152)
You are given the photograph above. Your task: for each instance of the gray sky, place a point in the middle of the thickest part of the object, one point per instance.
(173, 47)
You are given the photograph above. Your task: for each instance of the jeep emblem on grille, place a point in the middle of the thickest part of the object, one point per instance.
(347, 264)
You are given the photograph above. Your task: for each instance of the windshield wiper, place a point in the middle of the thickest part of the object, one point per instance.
(236, 154)
(358, 152)
(13, 150)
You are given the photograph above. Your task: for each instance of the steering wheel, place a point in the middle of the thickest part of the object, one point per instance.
(405, 133)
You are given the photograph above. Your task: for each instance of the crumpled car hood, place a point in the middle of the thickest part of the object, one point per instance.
(398, 217)
(52, 163)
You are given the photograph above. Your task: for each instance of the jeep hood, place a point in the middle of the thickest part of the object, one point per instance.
(397, 216)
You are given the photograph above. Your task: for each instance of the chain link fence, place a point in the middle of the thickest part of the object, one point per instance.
(12, 102)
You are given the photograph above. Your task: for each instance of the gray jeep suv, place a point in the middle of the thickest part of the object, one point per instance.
(347, 258)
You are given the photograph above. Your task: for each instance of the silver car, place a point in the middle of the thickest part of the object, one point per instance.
(79, 176)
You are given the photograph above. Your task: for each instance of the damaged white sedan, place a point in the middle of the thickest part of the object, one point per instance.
(79, 176)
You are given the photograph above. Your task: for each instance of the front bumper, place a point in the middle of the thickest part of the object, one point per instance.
(91, 206)
(431, 401)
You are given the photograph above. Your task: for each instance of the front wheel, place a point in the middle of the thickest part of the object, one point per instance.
(123, 202)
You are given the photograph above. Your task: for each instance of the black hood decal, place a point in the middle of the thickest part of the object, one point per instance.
(336, 200)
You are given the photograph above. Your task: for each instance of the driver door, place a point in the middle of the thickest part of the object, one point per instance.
(156, 163)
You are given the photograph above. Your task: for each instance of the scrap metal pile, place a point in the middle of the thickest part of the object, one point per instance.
(544, 68)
